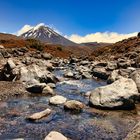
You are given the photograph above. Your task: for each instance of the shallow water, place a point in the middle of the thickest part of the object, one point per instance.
(90, 124)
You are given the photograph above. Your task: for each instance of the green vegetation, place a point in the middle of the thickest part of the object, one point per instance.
(36, 44)
(59, 48)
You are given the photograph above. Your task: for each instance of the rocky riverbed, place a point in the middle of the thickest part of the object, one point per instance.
(79, 98)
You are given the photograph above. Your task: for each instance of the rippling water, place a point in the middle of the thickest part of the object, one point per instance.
(90, 124)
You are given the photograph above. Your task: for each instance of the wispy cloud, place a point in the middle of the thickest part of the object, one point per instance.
(24, 29)
(109, 37)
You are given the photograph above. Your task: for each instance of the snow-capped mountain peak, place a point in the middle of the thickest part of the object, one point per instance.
(47, 35)
(38, 26)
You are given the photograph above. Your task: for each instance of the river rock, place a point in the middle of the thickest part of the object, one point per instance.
(57, 100)
(51, 85)
(68, 74)
(73, 105)
(121, 94)
(48, 90)
(41, 74)
(53, 135)
(100, 72)
(136, 77)
(86, 75)
(134, 134)
(38, 88)
(39, 115)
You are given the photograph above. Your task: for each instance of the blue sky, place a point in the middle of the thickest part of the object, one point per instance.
(80, 17)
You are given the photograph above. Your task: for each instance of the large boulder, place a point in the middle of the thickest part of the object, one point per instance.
(53, 135)
(122, 94)
(40, 74)
(136, 77)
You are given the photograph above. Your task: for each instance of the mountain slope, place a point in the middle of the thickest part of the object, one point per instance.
(47, 35)
(119, 49)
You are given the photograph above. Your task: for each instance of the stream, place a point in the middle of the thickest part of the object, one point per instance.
(90, 124)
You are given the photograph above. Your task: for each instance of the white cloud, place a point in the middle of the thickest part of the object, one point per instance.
(24, 29)
(109, 37)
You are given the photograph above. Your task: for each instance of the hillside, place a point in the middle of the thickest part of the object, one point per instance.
(118, 49)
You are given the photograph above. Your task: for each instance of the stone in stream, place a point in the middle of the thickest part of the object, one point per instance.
(134, 134)
(37, 88)
(39, 115)
(68, 74)
(48, 90)
(54, 135)
(122, 94)
(100, 72)
(28, 73)
(57, 100)
(86, 75)
(73, 105)
(51, 85)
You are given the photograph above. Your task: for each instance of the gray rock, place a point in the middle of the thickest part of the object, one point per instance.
(48, 91)
(86, 75)
(41, 74)
(100, 72)
(39, 115)
(47, 56)
(122, 94)
(113, 77)
(124, 63)
(51, 85)
(11, 64)
(53, 135)
(57, 100)
(73, 105)
(68, 74)
(111, 66)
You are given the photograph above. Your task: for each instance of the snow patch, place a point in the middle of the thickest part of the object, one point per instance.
(38, 26)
